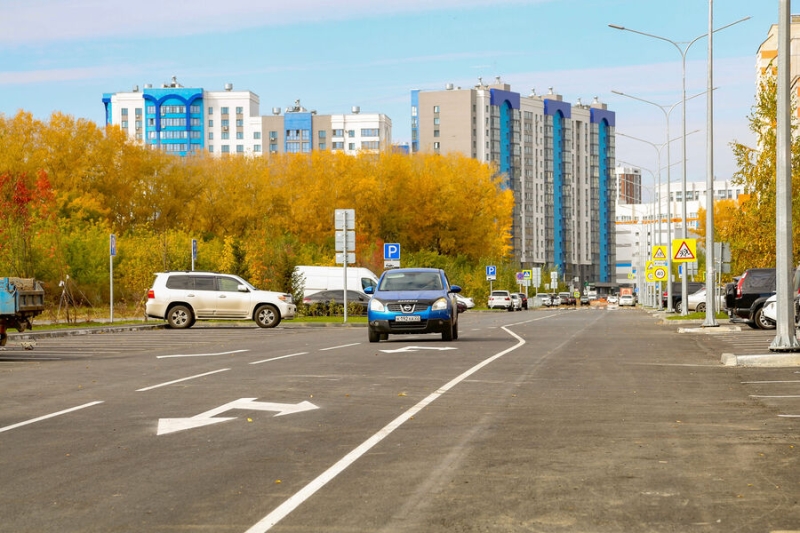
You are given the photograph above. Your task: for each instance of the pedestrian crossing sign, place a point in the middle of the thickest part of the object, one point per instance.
(684, 250)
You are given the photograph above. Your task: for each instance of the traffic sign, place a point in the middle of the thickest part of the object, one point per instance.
(345, 219)
(684, 250)
(491, 273)
(660, 274)
(391, 251)
(113, 245)
(660, 252)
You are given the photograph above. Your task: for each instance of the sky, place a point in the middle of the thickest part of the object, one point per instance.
(62, 55)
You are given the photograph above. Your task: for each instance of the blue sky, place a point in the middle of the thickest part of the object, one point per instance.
(62, 55)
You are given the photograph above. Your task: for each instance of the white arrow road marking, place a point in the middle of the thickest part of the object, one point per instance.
(416, 348)
(171, 425)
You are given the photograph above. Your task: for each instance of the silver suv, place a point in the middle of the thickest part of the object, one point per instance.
(181, 298)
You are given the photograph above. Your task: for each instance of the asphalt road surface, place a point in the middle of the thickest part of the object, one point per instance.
(582, 420)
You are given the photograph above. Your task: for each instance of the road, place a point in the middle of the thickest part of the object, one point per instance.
(544, 421)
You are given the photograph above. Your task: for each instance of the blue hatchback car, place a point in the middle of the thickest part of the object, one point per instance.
(413, 300)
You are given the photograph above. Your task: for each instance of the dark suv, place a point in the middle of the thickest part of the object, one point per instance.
(745, 297)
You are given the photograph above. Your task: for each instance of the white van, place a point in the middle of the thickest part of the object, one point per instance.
(326, 278)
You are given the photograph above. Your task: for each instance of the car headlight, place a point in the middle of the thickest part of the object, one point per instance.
(440, 305)
(376, 305)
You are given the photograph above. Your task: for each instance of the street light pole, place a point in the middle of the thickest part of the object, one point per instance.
(683, 50)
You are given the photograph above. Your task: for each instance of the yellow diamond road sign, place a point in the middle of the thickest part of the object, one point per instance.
(684, 250)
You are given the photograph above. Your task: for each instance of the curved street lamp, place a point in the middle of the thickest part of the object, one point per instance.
(683, 49)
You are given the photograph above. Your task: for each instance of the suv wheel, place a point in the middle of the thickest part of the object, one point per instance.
(761, 320)
(373, 335)
(267, 316)
(180, 317)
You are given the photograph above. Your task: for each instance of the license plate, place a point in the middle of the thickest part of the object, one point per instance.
(407, 318)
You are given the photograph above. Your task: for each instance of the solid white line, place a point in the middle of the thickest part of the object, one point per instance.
(337, 347)
(786, 396)
(276, 358)
(45, 417)
(766, 382)
(200, 354)
(182, 379)
(266, 523)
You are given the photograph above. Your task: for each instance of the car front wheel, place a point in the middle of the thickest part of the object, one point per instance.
(180, 317)
(373, 335)
(701, 308)
(267, 316)
(762, 321)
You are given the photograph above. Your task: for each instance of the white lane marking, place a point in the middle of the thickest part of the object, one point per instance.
(766, 382)
(45, 417)
(279, 357)
(337, 347)
(182, 379)
(266, 523)
(200, 354)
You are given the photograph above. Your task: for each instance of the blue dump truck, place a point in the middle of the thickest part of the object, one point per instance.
(20, 300)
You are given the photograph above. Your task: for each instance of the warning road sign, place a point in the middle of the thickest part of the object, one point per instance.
(684, 250)
(660, 252)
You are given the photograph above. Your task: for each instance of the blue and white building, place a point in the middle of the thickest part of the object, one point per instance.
(557, 157)
(181, 120)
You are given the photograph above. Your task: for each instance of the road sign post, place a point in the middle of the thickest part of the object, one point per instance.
(345, 224)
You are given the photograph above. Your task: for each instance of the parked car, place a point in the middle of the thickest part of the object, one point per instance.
(697, 301)
(555, 300)
(516, 302)
(566, 298)
(770, 312)
(524, 298)
(500, 300)
(465, 302)
(332, 302)
(612, 299)
(545, 299)
(181, 298)
(745, 298)
(677, 288)
(412, 300)
(585, 299)
(627, 299)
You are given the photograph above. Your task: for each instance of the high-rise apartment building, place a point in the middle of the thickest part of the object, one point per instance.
(182, 120)
(629, 185)
(557, 158)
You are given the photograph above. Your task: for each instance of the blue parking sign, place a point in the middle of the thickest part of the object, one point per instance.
(491, 272)
(391, 251)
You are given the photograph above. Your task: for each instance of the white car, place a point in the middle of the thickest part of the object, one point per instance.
(697, 302)
(468, 302)
(770, 310)
(612, 299)
(627, 299)
(516, 302)
(181, 298)
(500, 300)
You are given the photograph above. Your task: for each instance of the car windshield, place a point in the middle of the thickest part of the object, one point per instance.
(411, 281)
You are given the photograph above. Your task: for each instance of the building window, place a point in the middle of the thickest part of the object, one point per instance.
(257, 148)
(322, 134)
(124, 111)
(338, 145)
(211, 148)
(306, 147)
(369, 132)
(351, 146)
(240, 135)
(239, 148)
(256, 135)
(239, 110)
(273, 135)
(239, 122)
(225, 122)
(370, 145)
(224, 111)
(225, 136)
(435, 133)
(436, 109)
(138, 112)
(273, 147)
(351, 133)
(338, 133)
(210, 110)
(323, 146)
(436, 145)
(210, 135)
(225, 149)
(436, 121)
(210, 123)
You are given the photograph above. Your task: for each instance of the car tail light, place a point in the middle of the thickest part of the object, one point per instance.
(151, 294)
(739, 285)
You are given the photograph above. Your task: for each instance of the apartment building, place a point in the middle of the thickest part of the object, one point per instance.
(557, 158)
(182, 120)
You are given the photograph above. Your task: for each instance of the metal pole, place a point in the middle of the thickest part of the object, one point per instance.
(711, 286)
(785, 339)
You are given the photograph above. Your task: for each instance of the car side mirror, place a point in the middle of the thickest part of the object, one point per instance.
(455, 288)
(369, 290)
(242, 288)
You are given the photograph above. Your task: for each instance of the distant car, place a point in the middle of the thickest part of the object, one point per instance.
(411, 301)
(500, 300)
(566, 298)
(555, 300)
(545, 299)
(181, 298)
(585, 299)
(465, 302)
(612, 299)
(627, 299)
(332, 301)
(524, 298)
(697, 302)
(516, 302)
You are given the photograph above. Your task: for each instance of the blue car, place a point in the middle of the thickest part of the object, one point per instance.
(413, 300)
